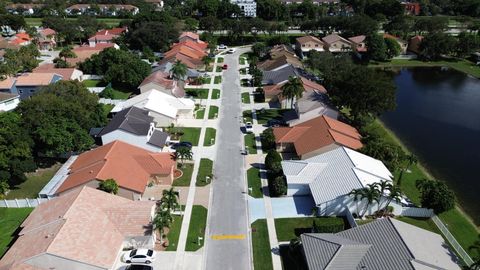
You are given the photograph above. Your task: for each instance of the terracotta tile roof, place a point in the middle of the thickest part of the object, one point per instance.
(305, 39)
(281, 60)
(85, 52)
(308, 85)
(85, 225)
(160, 78)
(34, 79)
(108, 34)
(357, 39)
(185, 50)
(190, 62)
(7, 83)
(192, 45)
(47, 32)
(333, 38)
(318, 133)
(129, 165)
(66, 73)
(190, 35)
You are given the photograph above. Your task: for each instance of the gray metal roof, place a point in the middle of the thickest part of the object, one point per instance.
(158, 138)
(165, 67)
(278, 76)
(133, 120)
(313, 100)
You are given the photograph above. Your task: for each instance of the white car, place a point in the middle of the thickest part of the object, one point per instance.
(222, 47)
(248, 127)
(232, 50)
(141, 255)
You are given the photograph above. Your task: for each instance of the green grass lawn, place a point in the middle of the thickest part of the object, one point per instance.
(246, 98)
(107, 108)
(251, 143)
(110, 22)
(34, 184)
(245, 82)
(291, 228)
(184, 180)
(242, 60)
(121, 94)
(10, 220)
(210, 134)
(243, 71)
(462, 229)
(460, 65)
(215, 93)
(254, 182)
(205, 169)
(93, 83)
(198, 222)
(218, 79)
(219, 69)
(212, 112)
(174, 233)
(266, 115)
(247, 116)
(220, 60)
(262, 257)
(200, 93)
(191, 134)
(424, 223)
(200, 112)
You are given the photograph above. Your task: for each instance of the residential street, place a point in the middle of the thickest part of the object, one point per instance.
(227, 245)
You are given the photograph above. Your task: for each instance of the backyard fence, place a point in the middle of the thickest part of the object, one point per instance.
(416, 212)
(20, 203)
(110, 101)
(453, 242)
(91, 77)
(95, 90)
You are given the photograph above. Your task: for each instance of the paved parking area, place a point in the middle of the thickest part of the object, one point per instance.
(256, 209)
(296, 206)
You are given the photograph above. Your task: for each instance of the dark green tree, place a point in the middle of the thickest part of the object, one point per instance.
(272, 161)
(278, 186)
(109, 186)
(392, 47)
(268, 139)
(436, 195)
(435, 45)
(377, 50)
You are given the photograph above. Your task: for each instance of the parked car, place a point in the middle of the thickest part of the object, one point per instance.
(139, 267)
(248, 127)
(276, 123)
(232, 50)
(222, 47)
(181, 144)
(141, 255)
(225, 66)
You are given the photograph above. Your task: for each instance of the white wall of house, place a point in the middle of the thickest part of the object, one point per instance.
(338, 206)
(161, 120)
(50, 261)
(10, 104)
(153, 86)
(140, 141)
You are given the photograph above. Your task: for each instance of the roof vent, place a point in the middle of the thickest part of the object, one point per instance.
(91, 171)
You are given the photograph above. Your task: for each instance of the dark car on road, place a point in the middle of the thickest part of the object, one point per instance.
(139, 267)
(181, 144)
(276, 123)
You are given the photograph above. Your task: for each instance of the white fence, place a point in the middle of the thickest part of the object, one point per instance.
(451, 239)
(416, 212)
(91, 77)
(20, 203)
(95, 90)
(110, 101)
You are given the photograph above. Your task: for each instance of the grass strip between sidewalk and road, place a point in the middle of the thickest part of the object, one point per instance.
(215, 93)
(198, 223)
(218, 80)
(200, 112)
(205, 169)
(213, 112)
(174, 233)
(210, 139)
(184, 180)
(254, 182)
(220, 60)
(262, 255)
(10, 220)
(246, 98)
(251, 143)
(247, 116)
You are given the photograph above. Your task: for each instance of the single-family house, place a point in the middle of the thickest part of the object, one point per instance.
(166, 68)
(84, 228)
(189, 50)
(403, 44)
(160, 81)
(101, 9)
(280, 62)
(330, 176)
(307, 43)
(411, 8)
(106, 36)
(311, 105)
(316, 136)
(134, 126)
(414, 44)
(279, 76)
(336, 43)
(8, 101)
(85, 51)
(274, 92)
(28, 84)
(21, 39)
(132, 167)
(46, 39)
(358, 43)
(164, 108)
(24, 9)
(68, 74)
(280, 50)
(193, 37)
(385, 243)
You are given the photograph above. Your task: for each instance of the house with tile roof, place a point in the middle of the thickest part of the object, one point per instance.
(28, 84)
(336, 43)
(280, 62)
(8, 101)
(132, 167)
(403, 44)
(280, 76)
(158, 80)
(311, 105)
(134, 126)
(274, 92)
(84, 228)
(316, 136)
(68, 74)
(106, 36)
(330, 176)
(307, 43)
(358, 43)
(47, 39)
(189, 50)
(382, 244)
(85, 51)
(163, 108)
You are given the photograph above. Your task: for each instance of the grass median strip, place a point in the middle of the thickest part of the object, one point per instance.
(254, 182)
(250, 143)
(213, 112)
(215, 93)
(198, 222)
(247, 116)
(204, 171)
(246, 98)
(218, 79)
(220, 60)
(262, 255)
(200, 112)
(210, 134)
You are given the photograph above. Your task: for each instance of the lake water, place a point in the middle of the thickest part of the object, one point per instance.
(438, 118)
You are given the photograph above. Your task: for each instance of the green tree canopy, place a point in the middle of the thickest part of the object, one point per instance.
(393, 49)
(377, 50)
(436, 195)
(109, 186)
(433, 46)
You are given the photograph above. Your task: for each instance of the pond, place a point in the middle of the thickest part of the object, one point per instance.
(438, 118)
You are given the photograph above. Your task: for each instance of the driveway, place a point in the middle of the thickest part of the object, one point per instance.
(227, 246)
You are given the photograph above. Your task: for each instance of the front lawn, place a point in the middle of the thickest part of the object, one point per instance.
(191, 134)
(213, 112)
(121, 94)
(246, 98)
(262, 256)
(205, 169)
(107, 108)
(184, 180)
(218, 79)
(198, 93)
(10, 220)
(243, 71)
(247, 116)
(220, 60)
(254, 182)
(291, 228)
(242, 60)
(198, 222)
(219, 69)
(174, 233)
(199, 112)
(250, 143)
(264, 115)
(34, 184)
(210, 134)
(215, 93)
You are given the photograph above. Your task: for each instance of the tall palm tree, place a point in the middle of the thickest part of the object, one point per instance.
(395, 194)
(178, 71)
(183, 153)
(371, 194)
(293, 89)
(170, 199)
(382, 187)
(411, 160)
(162, 219)
(206, 61)
(357, 194)
(67, 52)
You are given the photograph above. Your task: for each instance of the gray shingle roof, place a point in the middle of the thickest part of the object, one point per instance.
(278, 76)
(133, 120)
(158, 138)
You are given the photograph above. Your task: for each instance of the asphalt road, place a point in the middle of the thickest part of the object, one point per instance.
(228, 245)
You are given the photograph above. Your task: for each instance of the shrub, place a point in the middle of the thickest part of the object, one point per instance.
(109, 185)
(268, 139)
(435, 195)
(328, 225)
(259, 95)
(107, 93)
(272, 160)
(278, 186)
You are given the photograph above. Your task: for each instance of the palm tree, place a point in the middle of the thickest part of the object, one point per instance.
(395, 194)
(293, 89)
(371, 194)
(183, 153)
(411, 159)
(178, 71)
(206, 61)
(67, 52)
(382, 187)
(170, 199)
(162, 219)
(357, 194)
